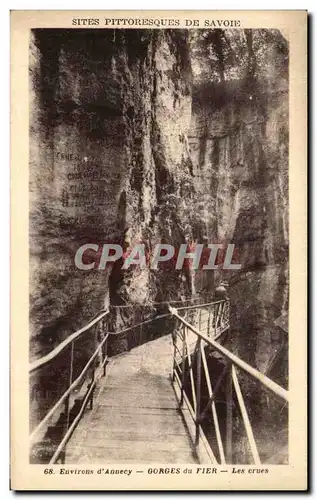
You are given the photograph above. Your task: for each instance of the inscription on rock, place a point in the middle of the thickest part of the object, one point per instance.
(86, 184)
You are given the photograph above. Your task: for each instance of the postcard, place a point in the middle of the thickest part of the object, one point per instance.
(159, 250)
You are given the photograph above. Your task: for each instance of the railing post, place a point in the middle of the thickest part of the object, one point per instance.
(198, 391)
(174, 340)
(245, 417)
(93, 374)
(105, 354)
(208, 323)
(227, 313)
(183, 365)
(215, 318)
(229, 416)
(67, 406)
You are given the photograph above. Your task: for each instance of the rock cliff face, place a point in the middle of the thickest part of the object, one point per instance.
(133, 140)
(109, 162)
(239, 148)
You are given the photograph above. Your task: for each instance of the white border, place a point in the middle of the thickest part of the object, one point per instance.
(4, 184)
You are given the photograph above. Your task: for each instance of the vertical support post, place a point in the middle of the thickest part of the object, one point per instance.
(229, 416)
(198, 391)
(199, 320)
(105, 325)
(208, 323)
(220, 314)
(91, 398)
(70, 380)
(174, 341)
(105, 354)
(227, 313)
(183, 365)
(93, 374)
(214, 319)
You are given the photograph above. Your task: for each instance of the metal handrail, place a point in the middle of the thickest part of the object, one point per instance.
(68, 391)
(70, 430)
(198, 306)
(218, 314)
(63, 345)
(190, 384)
(253, 372)
(73, 384)
(38, 363)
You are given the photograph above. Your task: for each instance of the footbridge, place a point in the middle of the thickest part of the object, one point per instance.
(182, 397)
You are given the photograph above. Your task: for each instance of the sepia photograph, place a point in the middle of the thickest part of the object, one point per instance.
(158, 233)
(158, 304)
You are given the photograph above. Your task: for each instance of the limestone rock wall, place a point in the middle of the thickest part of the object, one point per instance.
(239, 148)
(240, 159)
(108, 163)
(148, 136)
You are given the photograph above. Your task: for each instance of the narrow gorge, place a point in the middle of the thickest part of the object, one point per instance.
(158, 136)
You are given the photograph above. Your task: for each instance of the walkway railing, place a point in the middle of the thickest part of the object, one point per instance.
(68, 376)
(201, 388)
(212, 318)
(67, 366)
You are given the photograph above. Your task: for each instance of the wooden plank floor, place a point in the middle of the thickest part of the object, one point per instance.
(135, 417)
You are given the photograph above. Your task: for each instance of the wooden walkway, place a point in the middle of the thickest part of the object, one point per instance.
(135, 416)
